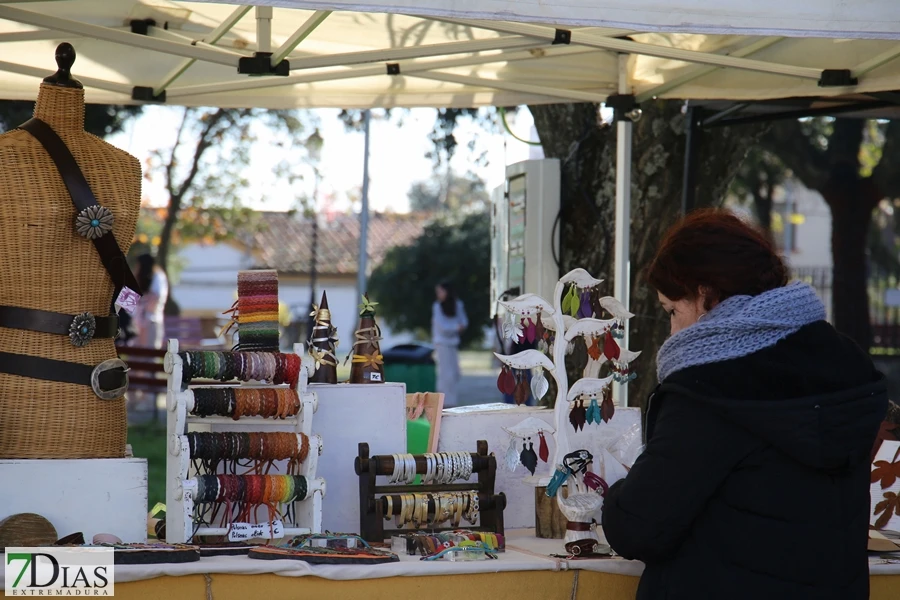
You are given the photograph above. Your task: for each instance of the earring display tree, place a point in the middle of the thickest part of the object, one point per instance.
(576, 295)
(565, 329)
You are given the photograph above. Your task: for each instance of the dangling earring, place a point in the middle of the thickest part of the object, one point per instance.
(544, 451)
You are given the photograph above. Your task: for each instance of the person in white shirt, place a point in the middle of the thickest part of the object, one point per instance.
(150, 316)
(448, 321)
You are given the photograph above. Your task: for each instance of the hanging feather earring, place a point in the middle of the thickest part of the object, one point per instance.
(607, 408)
(573, 415)
(584, 310)
(581, 414)
(610, 348)
(512, 455)
(530, 331)
(543, 450)
(575, 305)
(539, 327)
(593, 411)
(506, 382)
(539, 384)
(520, 394)
(528, 457)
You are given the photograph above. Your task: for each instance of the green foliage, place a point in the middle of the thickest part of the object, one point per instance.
(454, 193)
(404, 282)
(756, 181)
(149, 441)
(100, 119)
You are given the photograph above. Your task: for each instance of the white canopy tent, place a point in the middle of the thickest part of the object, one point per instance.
(457, 53)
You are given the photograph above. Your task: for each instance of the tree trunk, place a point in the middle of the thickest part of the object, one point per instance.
(165, 237)
(587, 149)
(851, 204)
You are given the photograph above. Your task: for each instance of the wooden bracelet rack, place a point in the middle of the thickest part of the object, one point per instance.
(478, 497)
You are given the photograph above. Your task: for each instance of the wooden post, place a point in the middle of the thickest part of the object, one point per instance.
(549, 522)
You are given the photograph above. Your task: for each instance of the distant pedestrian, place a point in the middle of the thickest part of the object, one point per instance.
(448, 321)
(149, 318)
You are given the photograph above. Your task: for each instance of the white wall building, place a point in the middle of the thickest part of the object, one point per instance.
(208, 283)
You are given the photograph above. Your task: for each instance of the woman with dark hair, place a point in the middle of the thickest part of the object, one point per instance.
(149, 317)
(448, 321)
(754, 482)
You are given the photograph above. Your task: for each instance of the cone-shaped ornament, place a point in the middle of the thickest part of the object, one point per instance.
(322, 343)
(367, 361)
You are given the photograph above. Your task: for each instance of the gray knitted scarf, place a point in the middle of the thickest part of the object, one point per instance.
(739, 326)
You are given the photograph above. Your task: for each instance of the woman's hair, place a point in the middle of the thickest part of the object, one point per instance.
(146, 266)
(448, 306)
(715, 250)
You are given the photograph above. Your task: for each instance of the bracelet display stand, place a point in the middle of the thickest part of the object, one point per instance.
(181, 485)
(372, 510)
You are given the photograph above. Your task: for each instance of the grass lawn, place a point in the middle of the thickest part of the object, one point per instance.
(149, 441)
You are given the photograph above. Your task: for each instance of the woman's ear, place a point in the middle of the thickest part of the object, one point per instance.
(708, 297)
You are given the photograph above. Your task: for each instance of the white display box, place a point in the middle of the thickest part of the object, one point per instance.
(99, 495)
(349, 414)
(462, 427)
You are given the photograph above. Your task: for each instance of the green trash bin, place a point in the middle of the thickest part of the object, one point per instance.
(412, 364)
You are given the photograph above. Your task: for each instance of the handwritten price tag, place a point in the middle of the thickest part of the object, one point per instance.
(374, 376)
(241, 532)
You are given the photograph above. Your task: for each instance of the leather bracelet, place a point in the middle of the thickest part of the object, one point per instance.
(576, 526)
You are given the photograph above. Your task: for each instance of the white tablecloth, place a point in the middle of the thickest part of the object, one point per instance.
(523, 553)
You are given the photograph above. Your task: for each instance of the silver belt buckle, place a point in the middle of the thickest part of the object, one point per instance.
(108, 365)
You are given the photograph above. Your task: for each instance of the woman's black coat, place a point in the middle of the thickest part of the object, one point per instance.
(755, 479)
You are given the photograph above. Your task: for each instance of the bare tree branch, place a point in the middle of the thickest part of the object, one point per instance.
(788, 141)
(203, 143)
(170, 166)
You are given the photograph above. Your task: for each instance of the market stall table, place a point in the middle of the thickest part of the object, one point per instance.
(525, 570)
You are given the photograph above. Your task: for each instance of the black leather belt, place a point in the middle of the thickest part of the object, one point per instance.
(93, 221)
(109, 379)
(81, 329)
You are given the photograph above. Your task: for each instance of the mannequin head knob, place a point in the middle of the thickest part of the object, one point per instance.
(65, 58)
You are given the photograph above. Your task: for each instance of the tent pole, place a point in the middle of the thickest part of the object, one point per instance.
(264, 28)
(364, 215)
(689, 178)
(622, 274)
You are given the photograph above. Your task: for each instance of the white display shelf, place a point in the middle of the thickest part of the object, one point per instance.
(180, 485)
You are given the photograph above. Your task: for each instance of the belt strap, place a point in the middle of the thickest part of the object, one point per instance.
(47, 369)
(82, 197)
(15, 317)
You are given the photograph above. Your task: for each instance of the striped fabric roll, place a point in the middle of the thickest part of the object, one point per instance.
(257, 310)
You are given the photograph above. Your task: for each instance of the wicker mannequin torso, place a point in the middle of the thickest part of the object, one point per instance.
(46, 265)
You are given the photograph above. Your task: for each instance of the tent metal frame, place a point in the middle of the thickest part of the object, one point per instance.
(281, 60)
(698, 119)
